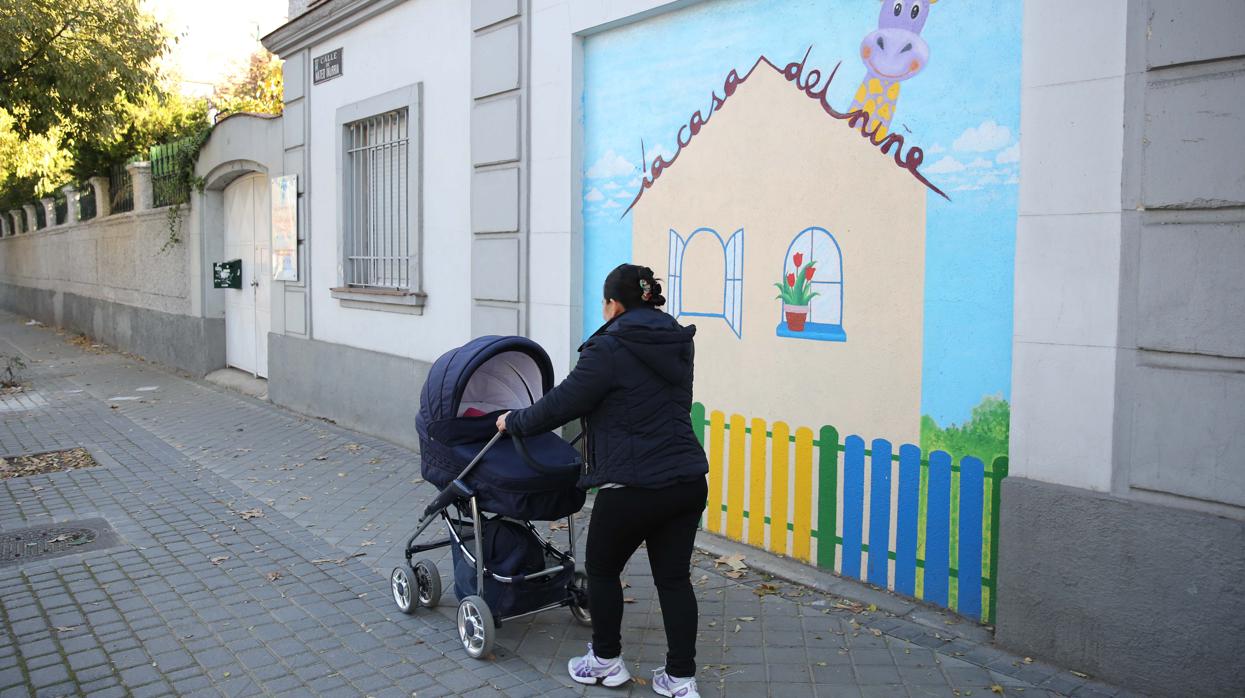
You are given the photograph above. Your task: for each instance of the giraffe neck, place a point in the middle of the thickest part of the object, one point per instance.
(877, 98)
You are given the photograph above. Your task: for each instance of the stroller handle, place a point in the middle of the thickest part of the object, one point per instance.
(537, 465)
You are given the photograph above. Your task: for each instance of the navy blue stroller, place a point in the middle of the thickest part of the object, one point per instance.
(492, 486)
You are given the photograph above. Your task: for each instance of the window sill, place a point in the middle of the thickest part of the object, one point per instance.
(409, 302)
(815, 331)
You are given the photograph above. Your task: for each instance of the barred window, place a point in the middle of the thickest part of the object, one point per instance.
(377, 218)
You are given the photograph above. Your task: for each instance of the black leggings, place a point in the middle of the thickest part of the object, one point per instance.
(665, 519)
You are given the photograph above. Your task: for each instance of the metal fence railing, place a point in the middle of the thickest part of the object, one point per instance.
(86, 202)
(120, 188)
(168, 187)
(41, 217)
(61, 208)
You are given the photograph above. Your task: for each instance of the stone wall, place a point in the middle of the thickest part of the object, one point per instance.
(123, 258)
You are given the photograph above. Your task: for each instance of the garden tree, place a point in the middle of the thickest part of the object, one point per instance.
(64, 63)
(32, 167)
(151, 118)
(258, 89)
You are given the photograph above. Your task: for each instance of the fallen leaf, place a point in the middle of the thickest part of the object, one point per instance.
(1077, 673)
(746, 619)
(735, 562)
(733, 574)
(366, 543)
(341, 475)
(639, 681)
(995, 688)
(765, 590)
(872, 608)
(1028, 660)
(738, 627)
(66, 628)
(373, 461)
(304, 499)
(225, 675)
(876, 632)
(704, 579)
(821, 664)
(321, 458)
(353, 448)
(219, 559)
(557, 526)
(251, 514)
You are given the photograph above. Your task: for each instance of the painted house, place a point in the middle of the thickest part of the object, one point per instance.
(771, 176)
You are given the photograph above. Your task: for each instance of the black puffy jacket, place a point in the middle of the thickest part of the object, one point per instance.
(633, 389)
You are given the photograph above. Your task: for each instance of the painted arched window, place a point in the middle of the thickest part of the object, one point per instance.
(706, 277)
(824, 321)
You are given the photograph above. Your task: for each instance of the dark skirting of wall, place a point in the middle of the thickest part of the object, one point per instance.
(1141, 595)
(192, 344)
(368, 391)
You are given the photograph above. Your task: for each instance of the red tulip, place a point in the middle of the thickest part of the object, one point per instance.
(791, 280)
(808, 274)
(798, 259)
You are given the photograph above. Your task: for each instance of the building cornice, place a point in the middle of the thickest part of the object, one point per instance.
(322, 22)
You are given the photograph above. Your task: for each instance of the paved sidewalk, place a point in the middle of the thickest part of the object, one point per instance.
(163, 613)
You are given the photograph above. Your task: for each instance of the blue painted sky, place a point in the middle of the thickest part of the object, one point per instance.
(644, 80)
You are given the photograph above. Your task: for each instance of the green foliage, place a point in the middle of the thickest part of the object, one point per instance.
(30, 168)
(173, 188)
(151, 118)
(258, 90)
(983, 436)
(65, 63)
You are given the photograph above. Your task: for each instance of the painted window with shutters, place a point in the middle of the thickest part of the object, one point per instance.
(706, 277)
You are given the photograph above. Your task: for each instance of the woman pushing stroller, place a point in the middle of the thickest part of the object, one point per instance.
(632, 387)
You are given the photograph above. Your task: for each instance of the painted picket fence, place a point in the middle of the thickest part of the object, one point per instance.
(917, 524)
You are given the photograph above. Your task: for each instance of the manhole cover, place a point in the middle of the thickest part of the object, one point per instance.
(54, 540)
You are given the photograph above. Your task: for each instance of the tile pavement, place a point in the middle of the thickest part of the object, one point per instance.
(158, 616)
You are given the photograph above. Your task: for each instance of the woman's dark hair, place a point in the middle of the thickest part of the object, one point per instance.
(634, 287)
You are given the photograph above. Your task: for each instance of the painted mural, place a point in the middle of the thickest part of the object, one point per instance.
(828, 188)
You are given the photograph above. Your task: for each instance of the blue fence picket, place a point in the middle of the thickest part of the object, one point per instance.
(972, 488)
(937, 528)
(879, 511)
(853, 503)
(906, 519)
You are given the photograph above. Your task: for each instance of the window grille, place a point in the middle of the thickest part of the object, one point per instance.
(377, 225)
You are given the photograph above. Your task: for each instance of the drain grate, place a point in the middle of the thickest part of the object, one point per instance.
(55, 540)
(47, 462)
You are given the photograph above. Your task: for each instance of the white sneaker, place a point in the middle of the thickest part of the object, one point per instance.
(591, 669)
(671, 687)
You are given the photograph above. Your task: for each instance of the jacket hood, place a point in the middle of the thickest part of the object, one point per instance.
(656, 340)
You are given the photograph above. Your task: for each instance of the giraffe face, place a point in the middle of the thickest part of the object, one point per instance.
(895, 50)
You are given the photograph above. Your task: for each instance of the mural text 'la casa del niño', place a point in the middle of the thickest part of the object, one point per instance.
(846, 260)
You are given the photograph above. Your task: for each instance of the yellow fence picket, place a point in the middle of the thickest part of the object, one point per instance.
(735, 479)
(756, 484)
(778, 500)
(802, 533)
(713, 512)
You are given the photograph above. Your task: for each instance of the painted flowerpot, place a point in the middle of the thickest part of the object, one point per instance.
(796, 317)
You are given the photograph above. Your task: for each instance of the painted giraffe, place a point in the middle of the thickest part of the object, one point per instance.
(892, 53)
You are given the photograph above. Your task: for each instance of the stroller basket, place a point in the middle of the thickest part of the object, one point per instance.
(523, 591)
(503, 567)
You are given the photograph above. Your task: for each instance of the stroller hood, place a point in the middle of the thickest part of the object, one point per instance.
(486, 375)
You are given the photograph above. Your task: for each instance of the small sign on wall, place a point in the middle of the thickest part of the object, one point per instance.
(227, 274)
(285, 228)
(326, 67)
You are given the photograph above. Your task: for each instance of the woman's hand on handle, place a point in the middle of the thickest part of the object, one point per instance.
(501, 422)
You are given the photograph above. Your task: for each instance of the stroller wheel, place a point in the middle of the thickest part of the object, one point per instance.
(579, 599)
(475, 627)
(402, 583)
(427, 582)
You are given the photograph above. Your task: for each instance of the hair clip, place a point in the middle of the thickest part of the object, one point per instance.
(647, 290)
